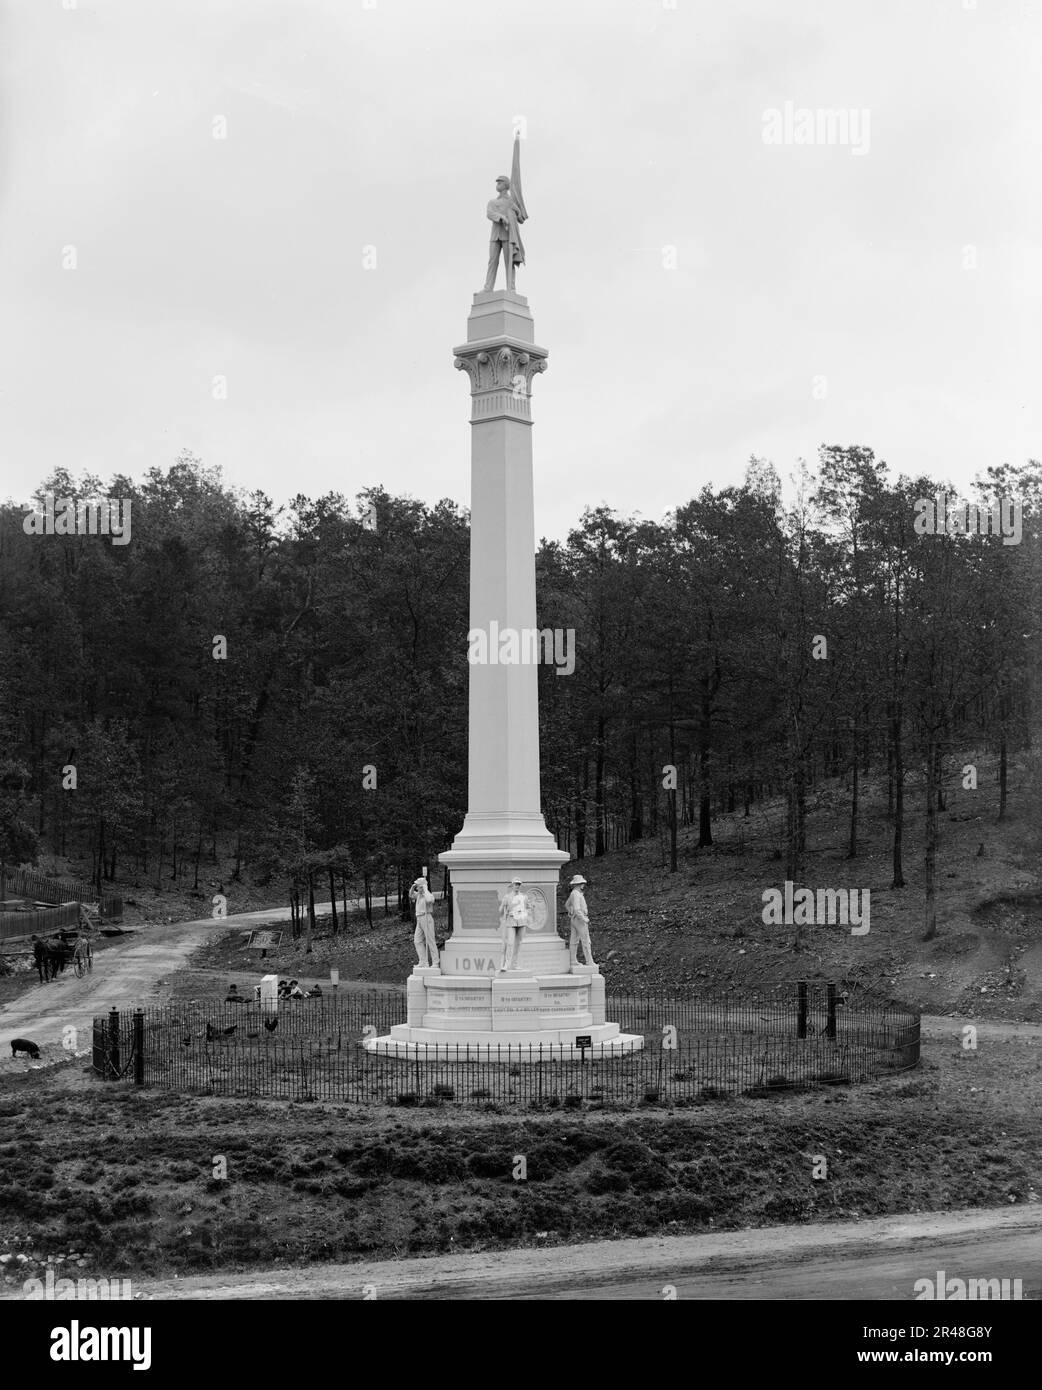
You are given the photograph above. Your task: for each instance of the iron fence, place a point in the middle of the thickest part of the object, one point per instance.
(697, 1047)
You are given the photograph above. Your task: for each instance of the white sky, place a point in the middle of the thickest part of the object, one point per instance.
(350, 126)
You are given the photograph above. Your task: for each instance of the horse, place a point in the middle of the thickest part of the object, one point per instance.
(40, 958)
(54, 954)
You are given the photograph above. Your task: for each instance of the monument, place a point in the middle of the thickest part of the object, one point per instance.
(505, 978)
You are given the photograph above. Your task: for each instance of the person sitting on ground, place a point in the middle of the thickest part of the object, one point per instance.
(295, 991)
(234, 997)
(315, 990)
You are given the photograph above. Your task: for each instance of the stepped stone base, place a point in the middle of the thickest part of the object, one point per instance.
(527, 1017)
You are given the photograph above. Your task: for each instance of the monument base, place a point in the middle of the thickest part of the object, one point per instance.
(520, 1048)
(509, 1015)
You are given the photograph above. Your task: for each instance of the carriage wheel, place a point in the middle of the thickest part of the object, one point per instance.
(90, 960)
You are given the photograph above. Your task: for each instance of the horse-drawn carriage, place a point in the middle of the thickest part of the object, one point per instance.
(53, 953)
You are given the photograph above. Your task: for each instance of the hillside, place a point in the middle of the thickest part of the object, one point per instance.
(703, 925)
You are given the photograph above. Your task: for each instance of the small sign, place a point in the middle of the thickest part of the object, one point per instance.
(584, 1040)
(264, 941)
(334, 975)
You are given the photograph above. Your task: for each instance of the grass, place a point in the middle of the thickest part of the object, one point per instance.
(125, 1179)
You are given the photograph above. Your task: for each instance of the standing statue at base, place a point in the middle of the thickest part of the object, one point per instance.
(515, 916)
(423, 938)
(506, 211)
(579, 922)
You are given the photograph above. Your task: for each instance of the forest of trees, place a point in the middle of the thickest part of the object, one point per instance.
(330, 741)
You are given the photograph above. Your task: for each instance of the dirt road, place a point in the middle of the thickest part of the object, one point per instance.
(877, 1259)
(126, 974)
(130, 973)
(935, 1027)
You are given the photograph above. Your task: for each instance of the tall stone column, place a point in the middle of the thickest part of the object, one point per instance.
(504, 834)
(465, 1007)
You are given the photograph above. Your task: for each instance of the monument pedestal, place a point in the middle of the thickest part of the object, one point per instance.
(508, 1016)
(469, 1007)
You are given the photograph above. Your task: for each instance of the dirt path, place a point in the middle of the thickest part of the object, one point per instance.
(936, 1027)
(877, 1259)
(130, 973)
(126, 974)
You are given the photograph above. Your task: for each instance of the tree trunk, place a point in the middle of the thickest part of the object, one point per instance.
(899, 797)
(580, 810)
(101, 855)
(598, 791)
(705, 827)
(889, 779)
(672, 793)
(636, 800)
(311, 911)
(931, 843)
(852, 850)
(332, 903)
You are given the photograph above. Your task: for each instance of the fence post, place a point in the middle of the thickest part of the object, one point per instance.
(139, 1047)
(113, 1061)
(830, 1025)
(801, 1021)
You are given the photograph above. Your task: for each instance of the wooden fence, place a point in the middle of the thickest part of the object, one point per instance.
(43, 921)
(27, 883)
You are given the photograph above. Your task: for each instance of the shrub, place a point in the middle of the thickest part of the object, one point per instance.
(691, 1207)
(601, 1181)
(490, 1165)
(628, 1155)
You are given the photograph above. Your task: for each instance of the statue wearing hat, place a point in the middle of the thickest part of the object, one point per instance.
(424, 940)
(515, 917)
(579, 921)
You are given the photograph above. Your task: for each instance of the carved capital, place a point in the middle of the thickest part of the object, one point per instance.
(501, 380)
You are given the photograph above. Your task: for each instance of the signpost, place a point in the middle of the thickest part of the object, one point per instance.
(264, 941)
